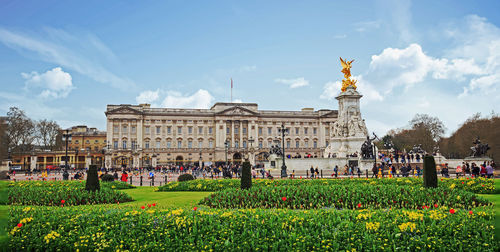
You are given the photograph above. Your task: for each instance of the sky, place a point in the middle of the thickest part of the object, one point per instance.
(66, 60)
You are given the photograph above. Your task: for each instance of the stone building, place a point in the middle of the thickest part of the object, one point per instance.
(138, 135)
(85, 139)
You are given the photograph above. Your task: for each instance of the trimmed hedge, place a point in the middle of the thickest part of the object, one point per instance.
(185, 177)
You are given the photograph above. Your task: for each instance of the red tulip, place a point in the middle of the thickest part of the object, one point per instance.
(441, 179)
(452, 211)
(19, 224)
(149, 205)
(195, 208)
(284, 198)
(154, 204)
(470, 212)
(463, 182)
(436, 205)
(467, 178)
(482, 185)
(63, 201)
(359, 205)
(142, 207)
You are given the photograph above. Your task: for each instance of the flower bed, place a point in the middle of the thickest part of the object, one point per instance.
(342, 197)
(478, 185)
(101, 228)
(118, 185)
(62, 193)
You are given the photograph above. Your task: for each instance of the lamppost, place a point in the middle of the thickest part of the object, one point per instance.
(199, 163)
(283, 130)
(226, 146)
(66, 137)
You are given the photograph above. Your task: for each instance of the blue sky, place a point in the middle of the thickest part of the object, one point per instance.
(65, 60)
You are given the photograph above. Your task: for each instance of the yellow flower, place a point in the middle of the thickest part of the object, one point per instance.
(372, 226)
(410, 226)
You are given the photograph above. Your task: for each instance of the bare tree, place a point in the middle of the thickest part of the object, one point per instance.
(20, 130)
(429, 123)
(46, 133)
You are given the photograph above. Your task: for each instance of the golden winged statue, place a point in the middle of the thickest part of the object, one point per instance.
(346, 70)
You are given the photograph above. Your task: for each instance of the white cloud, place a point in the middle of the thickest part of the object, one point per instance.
(237, 101)
(293, 83)
(340, 36)
(69, 51)
(55, 83)
(202, 99)
(148, 96)
(332, 89)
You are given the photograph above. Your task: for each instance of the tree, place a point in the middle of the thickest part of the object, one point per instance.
(486, 128)
(46, 133)
(20, 130)
(430, 124)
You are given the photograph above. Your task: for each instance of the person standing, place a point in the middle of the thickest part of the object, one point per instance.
(489, 170)
(124, 177)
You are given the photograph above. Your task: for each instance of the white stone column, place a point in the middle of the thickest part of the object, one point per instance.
(241, 134)
(33, 161)
(232, 134)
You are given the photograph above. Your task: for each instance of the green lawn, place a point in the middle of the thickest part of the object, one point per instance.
(146, 195)
(4, 209)
(495, 199)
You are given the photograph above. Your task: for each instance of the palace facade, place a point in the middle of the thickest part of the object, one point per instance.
(139, 136)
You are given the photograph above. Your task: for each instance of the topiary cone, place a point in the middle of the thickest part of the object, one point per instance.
(246, 176)
(430, 174)
(92, 179)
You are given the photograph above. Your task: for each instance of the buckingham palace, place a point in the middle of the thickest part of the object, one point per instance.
(139, 136)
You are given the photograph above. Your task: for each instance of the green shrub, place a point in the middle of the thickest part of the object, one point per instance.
(185, 177)
(246, 175)
(430, 174)
(107, 178)
(92, 179)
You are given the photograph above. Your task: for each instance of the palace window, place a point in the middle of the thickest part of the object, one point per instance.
(236, 130)
(115, 145)
(269, 144)
(179, 144)
(306, 143)
(288, 143)
(125, 128)
(158, 143)
(260, 131)
(236, 144)
(158, 130)
(200, 130)
(169, 144)
(134, 144)
(297, 144)
(315, 131)
(305, 131)
(269, 130)
(146, 145)
(133, 129)
(260, 144)
(124, 144)
(210, 130)
(210, 144)
(169, 130)
(200, 144)
(115, 129)
(146, 129)
(327, 131)
(190, 130)
(244, 130)
(179, 130)
(296, 131)
(227, 130)
(245, 144)
(190, 144)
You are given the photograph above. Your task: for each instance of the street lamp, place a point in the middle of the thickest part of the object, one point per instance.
(66, 137)
(226, 145)
(283, 131)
